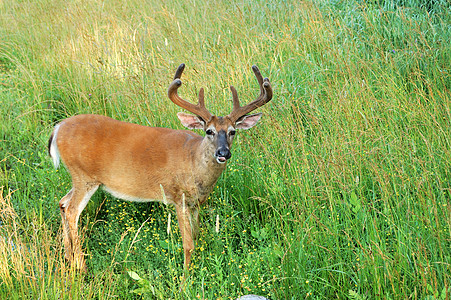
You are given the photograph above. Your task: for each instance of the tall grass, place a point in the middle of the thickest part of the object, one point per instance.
(342, 191)
(32, 262)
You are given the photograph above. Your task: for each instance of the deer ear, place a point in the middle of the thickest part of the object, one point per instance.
(247, 122)
(191, 121)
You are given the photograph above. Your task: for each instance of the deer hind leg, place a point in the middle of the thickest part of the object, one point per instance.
(71, 207)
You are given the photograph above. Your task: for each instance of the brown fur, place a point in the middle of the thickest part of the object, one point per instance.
(134, 161)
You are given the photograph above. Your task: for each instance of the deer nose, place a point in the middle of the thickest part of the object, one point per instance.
(223, 154)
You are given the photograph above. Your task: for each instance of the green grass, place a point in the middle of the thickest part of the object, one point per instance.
(342, 191)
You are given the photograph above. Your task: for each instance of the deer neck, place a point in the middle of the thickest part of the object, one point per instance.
(206, 169)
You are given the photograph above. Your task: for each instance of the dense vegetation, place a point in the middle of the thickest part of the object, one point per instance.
(342, 191)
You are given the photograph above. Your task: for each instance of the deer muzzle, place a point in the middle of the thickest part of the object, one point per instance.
(222, 153)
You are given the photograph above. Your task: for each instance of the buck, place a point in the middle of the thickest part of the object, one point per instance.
(141, 163)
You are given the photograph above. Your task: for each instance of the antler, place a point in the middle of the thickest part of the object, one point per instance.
(199, 109)
(265, 96)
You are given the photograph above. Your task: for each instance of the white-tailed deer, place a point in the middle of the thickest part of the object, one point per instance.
(138, 163)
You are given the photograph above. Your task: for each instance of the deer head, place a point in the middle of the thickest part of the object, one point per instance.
(219, 131)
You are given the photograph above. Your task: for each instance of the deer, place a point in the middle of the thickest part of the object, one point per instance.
(142, 163)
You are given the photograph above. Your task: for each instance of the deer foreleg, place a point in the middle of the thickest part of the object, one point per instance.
(188, 224)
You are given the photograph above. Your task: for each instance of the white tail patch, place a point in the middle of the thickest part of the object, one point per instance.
(54, 153)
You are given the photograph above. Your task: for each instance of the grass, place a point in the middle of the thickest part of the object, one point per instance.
(342, 191)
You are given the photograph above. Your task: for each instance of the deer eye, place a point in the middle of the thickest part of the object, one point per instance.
(232, 132)
(209, 132)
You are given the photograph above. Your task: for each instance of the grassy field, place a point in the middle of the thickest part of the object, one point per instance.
(341, 191)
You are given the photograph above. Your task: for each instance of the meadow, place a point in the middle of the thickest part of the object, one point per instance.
(341, 191)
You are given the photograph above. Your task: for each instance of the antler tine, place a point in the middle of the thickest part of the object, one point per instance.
(259, 77)
(179, 71)
(235, 99)
(264, 97)
(201, 98)
(199, 109)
